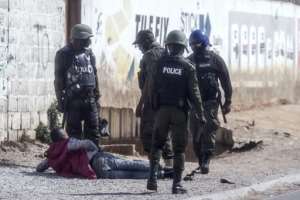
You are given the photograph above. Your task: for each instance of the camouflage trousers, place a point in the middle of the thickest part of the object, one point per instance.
(147, 128)
(204, 135)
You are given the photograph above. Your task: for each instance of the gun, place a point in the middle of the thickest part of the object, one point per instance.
(219, 98)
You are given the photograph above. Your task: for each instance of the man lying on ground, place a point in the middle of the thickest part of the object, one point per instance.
(71, 157)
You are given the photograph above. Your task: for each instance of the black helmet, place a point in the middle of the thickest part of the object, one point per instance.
(176, 37)
(144, 35)
(81, 31)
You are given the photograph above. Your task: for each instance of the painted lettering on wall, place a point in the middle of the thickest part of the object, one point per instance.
(192, 21)
(158, 25)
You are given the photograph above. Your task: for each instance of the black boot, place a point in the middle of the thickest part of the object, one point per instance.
(177, 188)
(152, 180)
(205, 163)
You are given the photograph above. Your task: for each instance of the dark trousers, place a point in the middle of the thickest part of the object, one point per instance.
(83, 119)
(204, 135)
(170, 119)
(147, 128)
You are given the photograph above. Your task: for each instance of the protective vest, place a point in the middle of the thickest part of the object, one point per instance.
(81, 74)
(207, 75)
(172, 82)
(155, 52)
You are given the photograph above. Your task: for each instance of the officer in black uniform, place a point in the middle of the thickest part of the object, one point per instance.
(152, 51)
(76, 85)
(173, 84)
(210, 69)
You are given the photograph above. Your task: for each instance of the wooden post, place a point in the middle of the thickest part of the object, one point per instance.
(73, 15)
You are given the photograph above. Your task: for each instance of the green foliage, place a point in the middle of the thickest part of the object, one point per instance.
(53, 116)
(43, 133)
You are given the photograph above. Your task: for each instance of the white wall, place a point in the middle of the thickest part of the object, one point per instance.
(30, 34)
(256, 38)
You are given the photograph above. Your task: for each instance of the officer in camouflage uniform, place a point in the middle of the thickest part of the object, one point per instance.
(173, 84)
(210, 69)
(76, 85)
(152, 51)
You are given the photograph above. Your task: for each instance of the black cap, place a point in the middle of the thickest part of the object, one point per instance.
(143, 35)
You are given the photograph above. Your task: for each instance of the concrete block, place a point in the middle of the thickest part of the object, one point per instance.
(12, 103)
(34, 120)
(13, 135)
(24, 104)
(25, 120)
(3, 104)
(3, 135)
(14, 120)
(3, 121)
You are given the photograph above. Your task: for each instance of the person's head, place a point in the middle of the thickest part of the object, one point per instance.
(198, 41)
(176, 43)
(58, 134)
(144, 40)
(81, 36)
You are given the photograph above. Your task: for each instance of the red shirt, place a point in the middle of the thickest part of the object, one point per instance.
(69, 163)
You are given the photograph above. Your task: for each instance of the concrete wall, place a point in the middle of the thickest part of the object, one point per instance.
(30, 33)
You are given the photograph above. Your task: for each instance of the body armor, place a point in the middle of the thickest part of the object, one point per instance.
(172, 82)
(81, 75)
(207, 75)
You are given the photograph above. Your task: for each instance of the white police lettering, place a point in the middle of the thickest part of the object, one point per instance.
(83, 64)
(173, 71)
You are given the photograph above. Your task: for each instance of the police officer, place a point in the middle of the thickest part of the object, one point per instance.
(174, 83)
(76, 85)
(152, 51)
(210, 70)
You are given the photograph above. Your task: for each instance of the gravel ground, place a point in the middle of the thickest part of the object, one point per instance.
(278, 156)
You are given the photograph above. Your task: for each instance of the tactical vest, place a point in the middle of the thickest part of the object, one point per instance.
(207, 75)
(172, 82)
(80, 76)
(156, 52)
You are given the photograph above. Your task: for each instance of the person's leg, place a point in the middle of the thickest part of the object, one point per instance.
(73, 119)
(123, 174)
(91, 122)
(167, 153)
(160, 134)
(146, 127)
(179, 139)
(209, 134)
(128, 165)
(195, 128)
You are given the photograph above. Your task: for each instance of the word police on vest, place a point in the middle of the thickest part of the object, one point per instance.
(84, 69)
(173, 71)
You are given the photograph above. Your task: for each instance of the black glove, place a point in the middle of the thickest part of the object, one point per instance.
(226, 108)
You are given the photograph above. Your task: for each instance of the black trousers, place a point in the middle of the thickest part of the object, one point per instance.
(82, 120)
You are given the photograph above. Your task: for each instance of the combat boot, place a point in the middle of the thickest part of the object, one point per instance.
(177, 187)
(152, 180)
(205, 163)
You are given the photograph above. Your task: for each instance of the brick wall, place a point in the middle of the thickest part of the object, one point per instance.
(30, 33)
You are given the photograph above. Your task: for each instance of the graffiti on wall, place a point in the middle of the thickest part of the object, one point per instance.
(256, 44)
